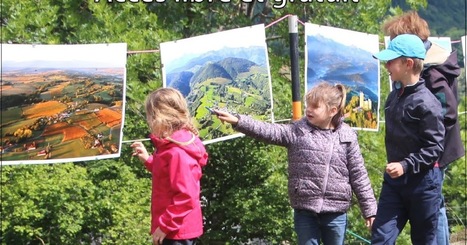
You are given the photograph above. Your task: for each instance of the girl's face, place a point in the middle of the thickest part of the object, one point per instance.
(319, 115)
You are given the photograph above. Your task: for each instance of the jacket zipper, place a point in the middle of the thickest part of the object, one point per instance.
(326, 176)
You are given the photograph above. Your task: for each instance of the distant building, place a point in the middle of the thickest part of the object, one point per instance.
(364, 104)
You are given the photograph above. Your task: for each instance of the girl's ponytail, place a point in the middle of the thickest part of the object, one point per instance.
(336, 120)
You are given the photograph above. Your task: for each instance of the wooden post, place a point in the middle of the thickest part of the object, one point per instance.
(296, 98)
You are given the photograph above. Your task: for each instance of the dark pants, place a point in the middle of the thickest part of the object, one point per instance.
(179, 242)
(415, 198)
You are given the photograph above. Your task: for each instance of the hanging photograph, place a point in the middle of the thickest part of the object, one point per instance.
(342, 56)
(61, 103)
(220, 71)
(443, 42)
(464, 50)
(463, 40)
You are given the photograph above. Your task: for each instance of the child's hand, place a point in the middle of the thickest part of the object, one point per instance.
(394, 169)
(369, 222)
(226, 117)
(158, 236)
(140, 151)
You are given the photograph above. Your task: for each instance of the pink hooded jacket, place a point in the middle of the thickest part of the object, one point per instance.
(176, 172)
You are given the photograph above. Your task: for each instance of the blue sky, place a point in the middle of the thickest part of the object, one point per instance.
(76, 55)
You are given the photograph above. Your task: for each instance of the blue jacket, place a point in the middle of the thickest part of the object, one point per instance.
(414, 128)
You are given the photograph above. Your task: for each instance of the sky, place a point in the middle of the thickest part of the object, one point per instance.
(365, 41)
(214, 41)
(89, 55)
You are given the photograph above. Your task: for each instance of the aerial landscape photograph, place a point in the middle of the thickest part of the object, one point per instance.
(60, 110)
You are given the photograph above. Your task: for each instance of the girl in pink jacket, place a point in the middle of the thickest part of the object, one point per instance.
(176, 164)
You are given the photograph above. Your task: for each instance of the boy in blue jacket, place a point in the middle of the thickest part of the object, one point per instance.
(414, 142)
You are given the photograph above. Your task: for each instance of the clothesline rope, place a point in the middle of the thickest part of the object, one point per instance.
(267, 26)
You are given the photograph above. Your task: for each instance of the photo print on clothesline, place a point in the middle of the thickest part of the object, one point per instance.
(62, 103)
(220, 71)
(463, 40)
(343, 56)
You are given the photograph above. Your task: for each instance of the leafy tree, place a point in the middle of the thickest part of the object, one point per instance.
(444, 19)
(43, 204)
(71, 204)
(22, 133)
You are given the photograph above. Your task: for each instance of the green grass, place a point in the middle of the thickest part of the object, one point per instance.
(72, 149)
(11, 115)
(12, 127)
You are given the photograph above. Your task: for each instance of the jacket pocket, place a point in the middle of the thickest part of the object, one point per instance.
(306, 187)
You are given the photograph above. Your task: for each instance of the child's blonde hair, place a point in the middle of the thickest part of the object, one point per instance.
(407, 23)
(417, 64)
(167, 111)
(329, 95)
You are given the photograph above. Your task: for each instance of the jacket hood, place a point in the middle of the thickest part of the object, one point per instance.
(435, 53)
(449, 68)
(185, 140)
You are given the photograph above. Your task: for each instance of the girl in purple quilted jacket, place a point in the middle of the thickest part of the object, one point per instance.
(325, 165)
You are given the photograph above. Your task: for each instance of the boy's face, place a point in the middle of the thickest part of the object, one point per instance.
(397, 68)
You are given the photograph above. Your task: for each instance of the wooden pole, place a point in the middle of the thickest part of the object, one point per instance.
(296, 99)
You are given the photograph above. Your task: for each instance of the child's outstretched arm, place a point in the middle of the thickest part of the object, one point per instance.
(278, 134)
(226, 117)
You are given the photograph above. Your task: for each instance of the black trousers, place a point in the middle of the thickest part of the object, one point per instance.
(179, 242)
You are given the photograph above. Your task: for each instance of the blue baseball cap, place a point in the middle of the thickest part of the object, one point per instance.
(406, 45)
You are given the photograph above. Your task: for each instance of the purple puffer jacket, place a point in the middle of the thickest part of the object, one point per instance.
(313, 184)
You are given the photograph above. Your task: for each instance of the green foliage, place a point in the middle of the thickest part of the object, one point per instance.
(241, 190)
(454, 186)
(47, 208)
(445, 19)
(120, 212)
(73, 204)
